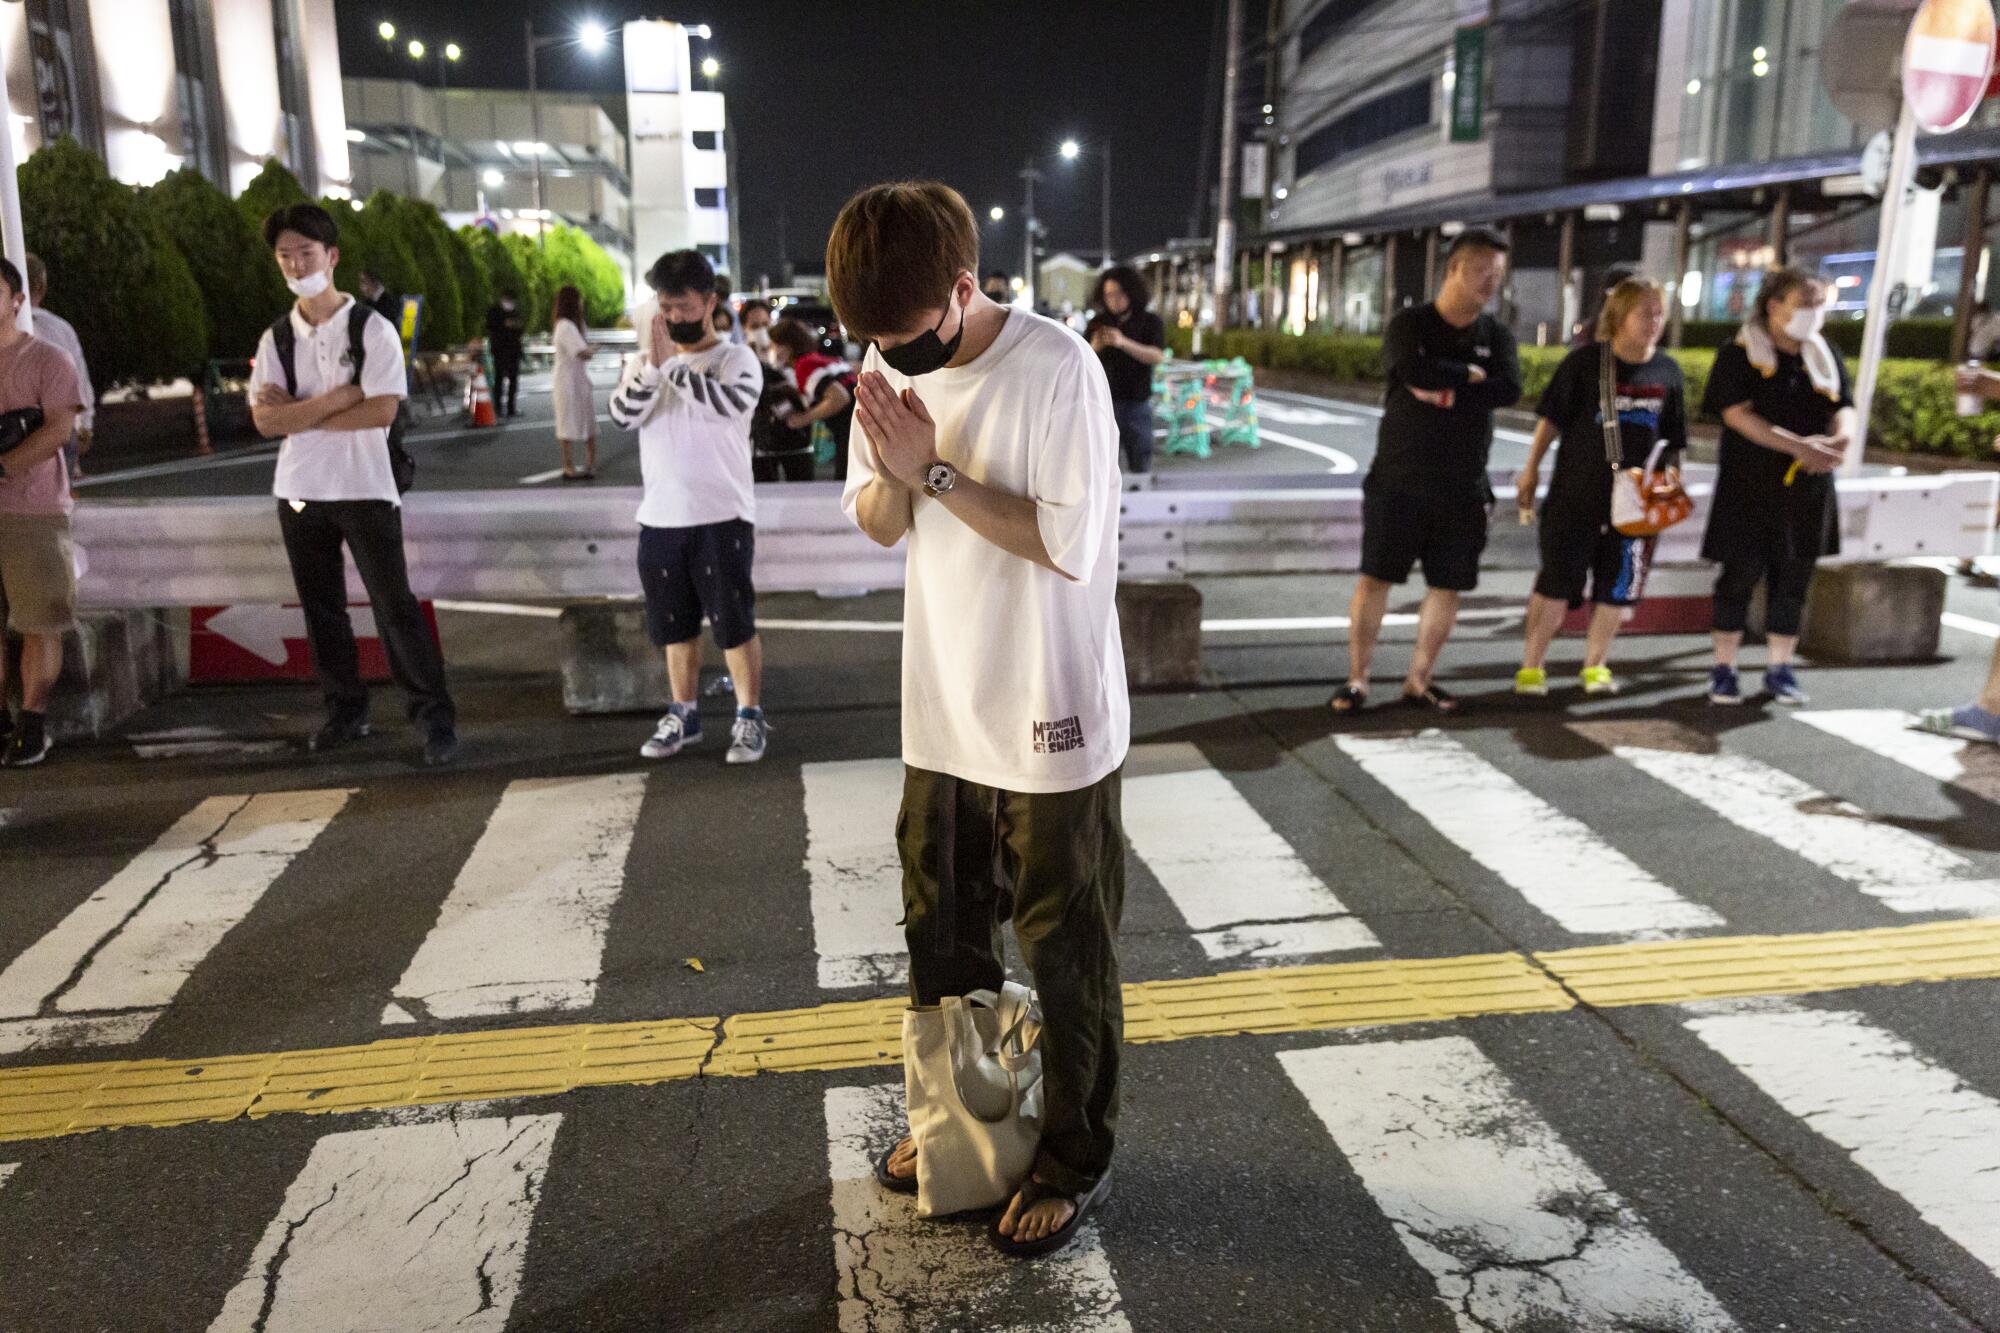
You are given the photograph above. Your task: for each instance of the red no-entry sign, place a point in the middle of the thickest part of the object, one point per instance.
(1948, 61)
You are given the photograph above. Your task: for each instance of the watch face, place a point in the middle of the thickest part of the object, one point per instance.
(939, 476)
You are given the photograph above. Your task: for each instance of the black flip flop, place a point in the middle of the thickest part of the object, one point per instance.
(1435, 697)
(1353, 698)
(893, 1183)
(1033, 1192)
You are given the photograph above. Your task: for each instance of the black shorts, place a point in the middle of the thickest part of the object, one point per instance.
(1578, 550)
(691, 572)
(1446, 532)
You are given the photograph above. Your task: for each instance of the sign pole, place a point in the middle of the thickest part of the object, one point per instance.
(1888, 253)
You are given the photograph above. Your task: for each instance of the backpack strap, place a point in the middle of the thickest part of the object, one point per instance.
(1607, 407)
(357, 334)
(285, 341)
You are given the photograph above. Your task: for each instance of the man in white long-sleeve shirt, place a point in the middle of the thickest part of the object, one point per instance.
(53, 328)
(690, 395)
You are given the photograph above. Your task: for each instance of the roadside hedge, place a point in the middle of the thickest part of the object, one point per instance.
(1913, 409)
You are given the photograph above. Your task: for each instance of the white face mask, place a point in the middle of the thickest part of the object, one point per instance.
(311, 285)
(758, 337)
(1805, 323)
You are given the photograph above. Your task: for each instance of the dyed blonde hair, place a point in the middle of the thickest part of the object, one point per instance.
(1621, 301)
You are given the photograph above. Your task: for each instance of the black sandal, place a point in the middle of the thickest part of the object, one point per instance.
(1032, 1192)
(1348, 699)
(1433, 696)
(893, 1183)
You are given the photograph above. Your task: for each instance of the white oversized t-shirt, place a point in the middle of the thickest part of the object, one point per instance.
(328, 465)
(1013, 676)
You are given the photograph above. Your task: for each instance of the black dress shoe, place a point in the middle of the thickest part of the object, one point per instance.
(440, 747)
(338, 732)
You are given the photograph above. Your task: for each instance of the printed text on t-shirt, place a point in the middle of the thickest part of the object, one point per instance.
(1062, 734)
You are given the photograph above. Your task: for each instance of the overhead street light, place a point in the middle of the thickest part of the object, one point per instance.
(416, 49)
(494, 178)
(711, 67)
(387, 31)
(592, 37)
(1070, 149)
(452, 51)
(996, 212)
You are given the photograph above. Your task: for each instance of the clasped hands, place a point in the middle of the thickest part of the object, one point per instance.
(904, 436)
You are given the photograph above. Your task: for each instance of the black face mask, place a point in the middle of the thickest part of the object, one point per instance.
(687, 332)
(925, 352)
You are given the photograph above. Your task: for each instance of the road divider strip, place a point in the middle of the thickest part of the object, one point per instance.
(58, 1100)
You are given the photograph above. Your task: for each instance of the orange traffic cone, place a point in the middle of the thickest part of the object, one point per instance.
(479, 398)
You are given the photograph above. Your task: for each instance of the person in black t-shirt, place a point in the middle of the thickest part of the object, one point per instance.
(1787, 412)
(504, 323)
(1450, 366)
(1580, 548)
(1130, 340)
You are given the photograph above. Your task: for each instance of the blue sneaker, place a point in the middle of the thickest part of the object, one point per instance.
(1971, 723)
(748, 737)
(1784, 688)
(679, 728)
(1722, 686)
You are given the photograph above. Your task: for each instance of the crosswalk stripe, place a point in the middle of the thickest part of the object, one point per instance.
(524, 926)
(1906, 871)
(413, 1227)
(854, 871)
(108, 968)
(7, 1169)
(1238, 884)
(1907, 1121)
(896, 1271)
(1889, 733)
(1516, 1229)
(1562, 868)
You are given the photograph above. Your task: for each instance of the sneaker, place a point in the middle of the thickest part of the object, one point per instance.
(1531, 680)
(338, 732)
(1783, 687)
(1971, 723)
(747, 739)
(1722, 686)
(25, 751)
(440, 747)
(1598, 680)
(675, 733)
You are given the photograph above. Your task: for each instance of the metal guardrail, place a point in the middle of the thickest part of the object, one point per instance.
(554, 546)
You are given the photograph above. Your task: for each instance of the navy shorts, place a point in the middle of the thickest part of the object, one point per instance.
(1446, 532)
(1579, 553)
(688, 573)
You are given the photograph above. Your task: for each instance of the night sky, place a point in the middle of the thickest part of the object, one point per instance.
(828, 97)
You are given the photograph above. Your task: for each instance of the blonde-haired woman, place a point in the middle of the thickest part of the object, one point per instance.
(1583, 556)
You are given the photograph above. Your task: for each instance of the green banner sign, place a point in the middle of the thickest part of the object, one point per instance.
(1468, 89)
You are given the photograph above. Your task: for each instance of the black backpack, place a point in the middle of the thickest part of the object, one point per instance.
(402, 465)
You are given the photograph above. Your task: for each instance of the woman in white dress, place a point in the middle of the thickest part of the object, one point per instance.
(576, 408)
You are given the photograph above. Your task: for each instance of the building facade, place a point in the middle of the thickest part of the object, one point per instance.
(142, 83)
(478, 153)
(1693, 137)
(682, 167)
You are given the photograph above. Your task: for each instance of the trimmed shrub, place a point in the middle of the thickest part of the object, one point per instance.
(496, 263)
(242, 291)
(575, 259)
(113, 272)
(538, 289)
(475, 288)
(269, 190)
(1912, 339)
(420, 229)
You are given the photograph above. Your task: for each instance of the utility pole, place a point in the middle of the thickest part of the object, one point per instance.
(1028, 177)
(535, 111)
(1225, 210)
(1104, 147)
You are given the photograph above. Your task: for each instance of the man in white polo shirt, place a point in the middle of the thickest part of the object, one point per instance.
(984, 435)
(690, 395)
(336, 484)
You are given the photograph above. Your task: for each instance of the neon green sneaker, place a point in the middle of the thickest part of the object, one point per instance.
(1598, 680)
(1531, 680)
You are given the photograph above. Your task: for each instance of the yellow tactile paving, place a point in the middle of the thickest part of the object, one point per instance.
(50, 1101)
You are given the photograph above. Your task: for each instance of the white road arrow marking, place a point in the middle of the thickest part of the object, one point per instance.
(261, 631)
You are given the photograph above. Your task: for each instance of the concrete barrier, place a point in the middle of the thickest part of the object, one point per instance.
(608, 664)
(1159, 625)
(1873, 613)
(114, 664)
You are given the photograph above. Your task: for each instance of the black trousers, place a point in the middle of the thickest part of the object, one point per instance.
(1054, 864)
(372, 530)
(1786, 580)
(507, 384)
(795, 466)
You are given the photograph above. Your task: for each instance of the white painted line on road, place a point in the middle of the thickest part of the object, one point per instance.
(1909, 1122)
(537, 478)
(835, 626)
(1563, 869)
(1240, 886)
(1985, 629)
(524, 926)
(854, 872)
(134, 942)
(205, 749)
(1395, 619)
(419, 1228)
(502, 609)
(1373, 411)
(242, 458)
(1889, 732)
(1344, 464)
(1516, 1229)
(895, 1271)
(1904, 870)
(7, 1169)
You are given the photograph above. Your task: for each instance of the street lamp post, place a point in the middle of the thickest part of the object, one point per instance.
(1071, 150)
(535, 113)
(1029, 175)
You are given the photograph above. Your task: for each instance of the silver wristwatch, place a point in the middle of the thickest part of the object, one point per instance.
(939, 478)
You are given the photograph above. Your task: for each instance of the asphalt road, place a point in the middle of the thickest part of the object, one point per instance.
(1372, 1084)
